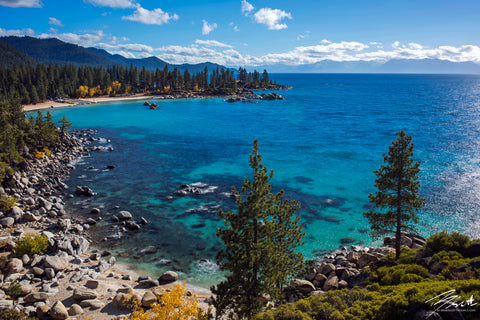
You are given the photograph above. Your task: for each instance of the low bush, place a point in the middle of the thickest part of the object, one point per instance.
(375, 302)
(13, 314)
(445, 257)
(407, 256)
(444, 241)
(6, 202)
(32, 244)
(402, 273)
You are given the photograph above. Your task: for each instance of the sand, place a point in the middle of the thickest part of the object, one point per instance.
(84, 101)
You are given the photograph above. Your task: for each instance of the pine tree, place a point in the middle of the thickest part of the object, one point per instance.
(260, 239)
(396, 198)
(64, 123)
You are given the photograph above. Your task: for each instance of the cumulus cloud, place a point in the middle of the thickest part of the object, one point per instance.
(271, 18)
(130, 47)
(203, 51)
(21, 3)
(156, 16)
(84, 40)
(17, 33)
(192, 54)
(207, 28)
(212, 43)
(55, 22)
(247, 7)
(122, 4)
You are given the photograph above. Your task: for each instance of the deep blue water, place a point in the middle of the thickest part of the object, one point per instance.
(323, 142)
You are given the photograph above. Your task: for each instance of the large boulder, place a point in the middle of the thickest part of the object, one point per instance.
(58, 311)
(15, 265)
(303, 286)
(148, 299)
(331, 283)
(35, 297)
(56, 263)
(7, 222)
(82, 293)
(365, 259)
(168, 277)
(326, 268)
(124, 215)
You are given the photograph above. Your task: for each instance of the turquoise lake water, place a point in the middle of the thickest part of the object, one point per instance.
(323, 142)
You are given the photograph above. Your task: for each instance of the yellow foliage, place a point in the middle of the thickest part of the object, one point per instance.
(39, 154)
(175, 304)
(109, 89)
(116, 86)
(47, 151)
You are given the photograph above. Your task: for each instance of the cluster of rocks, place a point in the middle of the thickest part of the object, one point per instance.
(63, 282)
(248, 96)
(345, 268)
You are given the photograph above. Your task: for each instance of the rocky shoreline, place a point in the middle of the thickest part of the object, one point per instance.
(69, 279)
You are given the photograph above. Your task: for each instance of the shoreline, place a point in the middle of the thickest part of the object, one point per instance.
(70, 263)
(247, 96)
(85, 101)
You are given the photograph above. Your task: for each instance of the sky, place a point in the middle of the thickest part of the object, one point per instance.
(256, 32)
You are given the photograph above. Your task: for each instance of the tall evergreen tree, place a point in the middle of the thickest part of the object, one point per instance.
(396, 198)
(260, 240)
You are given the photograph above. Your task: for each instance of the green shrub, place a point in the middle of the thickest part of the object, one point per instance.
(14, 289)
(445, 256)
(374, 303)
(32, 244)
(6, 202)
(407, 256)
(13, 314)
(447, 242)
(402, 273)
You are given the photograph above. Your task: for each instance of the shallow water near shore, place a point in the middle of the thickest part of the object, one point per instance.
(323, 142)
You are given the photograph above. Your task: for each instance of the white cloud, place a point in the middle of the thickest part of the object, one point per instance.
(84, 40)
(235, 28)
(156, 16)
(304, 35)
(21, 3)
(271, 18)
(207, 28)
(247, 7)
(53, 30)
(396, 44)
(212, 43)
(123, 53)
(122, 4)
(415, 46)
(55, 22)
(135, 47)
(325, 41)
(17, 33)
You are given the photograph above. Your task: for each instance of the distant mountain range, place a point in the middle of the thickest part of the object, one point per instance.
(29, 50)
(426, 66)
(17, 50)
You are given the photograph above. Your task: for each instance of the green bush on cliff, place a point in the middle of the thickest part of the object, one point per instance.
(375, 302)
(444, 241)
(402, 273)
(6, 202)
(407, 256)
(32, 244)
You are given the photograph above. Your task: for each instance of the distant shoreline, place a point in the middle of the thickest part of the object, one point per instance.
(54, 104)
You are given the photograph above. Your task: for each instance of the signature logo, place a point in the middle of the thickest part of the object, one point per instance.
(449, 301)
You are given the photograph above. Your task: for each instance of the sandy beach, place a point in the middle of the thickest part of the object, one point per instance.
(85, 101)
